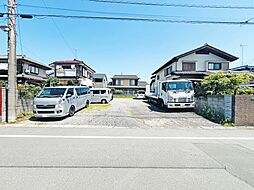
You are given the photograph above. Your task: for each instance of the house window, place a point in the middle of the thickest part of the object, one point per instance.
(34, 70)
(98, 80)
(168, 71)
(189, 66)
(158, 77)
(118, 82)
(66, 66)
(132, 82)
(214, 66)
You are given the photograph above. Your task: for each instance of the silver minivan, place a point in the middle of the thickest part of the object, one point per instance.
(101, 95)
(61, 101)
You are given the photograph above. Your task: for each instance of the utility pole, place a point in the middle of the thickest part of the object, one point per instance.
(12, 62)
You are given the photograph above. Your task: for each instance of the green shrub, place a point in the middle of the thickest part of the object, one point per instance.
(118, 92)
(226, 84)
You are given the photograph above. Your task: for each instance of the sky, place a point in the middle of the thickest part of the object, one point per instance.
(128, 47)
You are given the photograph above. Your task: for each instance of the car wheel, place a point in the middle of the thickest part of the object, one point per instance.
(87, 104)
(161, 103)
(71, 111)
(104, 101)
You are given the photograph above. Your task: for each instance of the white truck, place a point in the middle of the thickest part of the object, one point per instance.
(173, 94)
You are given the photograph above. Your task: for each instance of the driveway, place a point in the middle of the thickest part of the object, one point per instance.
(128, 113)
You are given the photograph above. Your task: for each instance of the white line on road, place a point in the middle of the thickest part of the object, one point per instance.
(126, 137)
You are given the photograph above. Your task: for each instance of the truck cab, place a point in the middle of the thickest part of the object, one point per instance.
(176, 94)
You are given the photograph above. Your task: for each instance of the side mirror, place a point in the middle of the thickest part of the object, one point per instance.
(68, 95)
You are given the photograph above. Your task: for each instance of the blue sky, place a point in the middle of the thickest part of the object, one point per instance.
(128, 47)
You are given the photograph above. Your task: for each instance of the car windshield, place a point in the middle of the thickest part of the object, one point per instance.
(180, 86)
(52, 92)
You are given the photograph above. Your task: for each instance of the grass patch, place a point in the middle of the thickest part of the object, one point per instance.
(96, 107)
(124, 96)
(229, 125)
(22, 117)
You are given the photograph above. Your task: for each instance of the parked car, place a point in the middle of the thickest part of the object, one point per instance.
(101, 95)
(141, 94)
(61, 101)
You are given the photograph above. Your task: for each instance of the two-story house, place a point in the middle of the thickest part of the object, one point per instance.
(73, 72)
(194, 65)
(100, 80)
(128, 84)
(28, 70)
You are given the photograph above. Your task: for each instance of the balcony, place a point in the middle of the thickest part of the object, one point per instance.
(66, 73)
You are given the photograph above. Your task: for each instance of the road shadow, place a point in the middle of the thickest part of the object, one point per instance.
(156, 108)
(47, 119)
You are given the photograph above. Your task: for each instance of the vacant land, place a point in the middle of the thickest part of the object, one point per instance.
(127, 113)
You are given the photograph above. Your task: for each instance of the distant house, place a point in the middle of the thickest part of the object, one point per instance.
(128, 84)
(73, 72)
(194, 64)
(28, 70)
(244, 68)
(100, 80)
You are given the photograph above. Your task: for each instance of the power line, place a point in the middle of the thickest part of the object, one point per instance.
(98, 12)
(43, 16)
(173, 5)
(107, 13)
(59, 31)
(141, 19)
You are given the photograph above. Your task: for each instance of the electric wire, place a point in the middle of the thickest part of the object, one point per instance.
(141, 3)
(60, 32)
(98, 12)
(142, 19)
(108, 13)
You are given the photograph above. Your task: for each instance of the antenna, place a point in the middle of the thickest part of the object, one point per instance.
(242, 46)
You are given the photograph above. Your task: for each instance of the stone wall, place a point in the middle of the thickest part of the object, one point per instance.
(244, 110)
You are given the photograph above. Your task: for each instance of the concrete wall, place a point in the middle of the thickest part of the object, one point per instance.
(244, 110)
(238, 109)
(23, 105)
(219, 107)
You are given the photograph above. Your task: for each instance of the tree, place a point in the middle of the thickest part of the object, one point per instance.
(226, 84)
(51, 81)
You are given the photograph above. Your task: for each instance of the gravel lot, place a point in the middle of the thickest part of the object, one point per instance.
(128, 113)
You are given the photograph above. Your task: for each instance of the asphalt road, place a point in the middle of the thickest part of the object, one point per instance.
(129, 113)
(126, 158)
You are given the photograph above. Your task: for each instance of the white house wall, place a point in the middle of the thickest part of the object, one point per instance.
(202, 61)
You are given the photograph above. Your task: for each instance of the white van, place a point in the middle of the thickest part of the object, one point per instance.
(61, 101)
(141, 94)
(101, 95)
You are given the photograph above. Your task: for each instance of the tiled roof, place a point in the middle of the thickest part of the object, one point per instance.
(99, 76)
(125, 77)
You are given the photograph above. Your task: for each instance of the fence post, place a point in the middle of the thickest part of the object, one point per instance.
(1, 101)
(6, 105)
